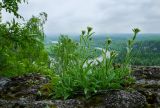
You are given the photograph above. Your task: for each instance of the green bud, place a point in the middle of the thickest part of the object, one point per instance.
(83, 32)
(89, 29)
(109, 41)
(136, 30)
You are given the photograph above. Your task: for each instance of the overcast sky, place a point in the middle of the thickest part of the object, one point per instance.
(105, 16)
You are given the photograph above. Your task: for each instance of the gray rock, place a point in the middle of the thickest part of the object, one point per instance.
(26, 104)
(71, 103)
(26, 86)
(152, 72)
(124, 99)
(3, 82)
(148, 83)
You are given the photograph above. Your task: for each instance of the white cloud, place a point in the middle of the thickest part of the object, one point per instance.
(105, 16)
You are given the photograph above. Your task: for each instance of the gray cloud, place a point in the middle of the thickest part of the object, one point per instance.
(106, 16)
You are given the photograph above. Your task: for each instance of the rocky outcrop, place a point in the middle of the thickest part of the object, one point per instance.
(25, 86)
(25, 92)
(148, 83)
(110, 99)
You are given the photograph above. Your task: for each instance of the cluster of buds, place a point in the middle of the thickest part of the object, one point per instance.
(89, 29)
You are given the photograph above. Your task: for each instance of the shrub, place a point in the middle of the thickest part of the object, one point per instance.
(22, 47)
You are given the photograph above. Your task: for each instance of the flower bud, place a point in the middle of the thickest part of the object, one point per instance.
(136, 30)
(89, 29)
(109, 41)
(83, 32)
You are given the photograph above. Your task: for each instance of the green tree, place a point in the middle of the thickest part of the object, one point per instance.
(21, 45)
(11, 6)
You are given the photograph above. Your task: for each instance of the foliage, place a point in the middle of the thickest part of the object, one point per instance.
(11, 6)
(77, 71)
(22, 48)
(64, 54)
